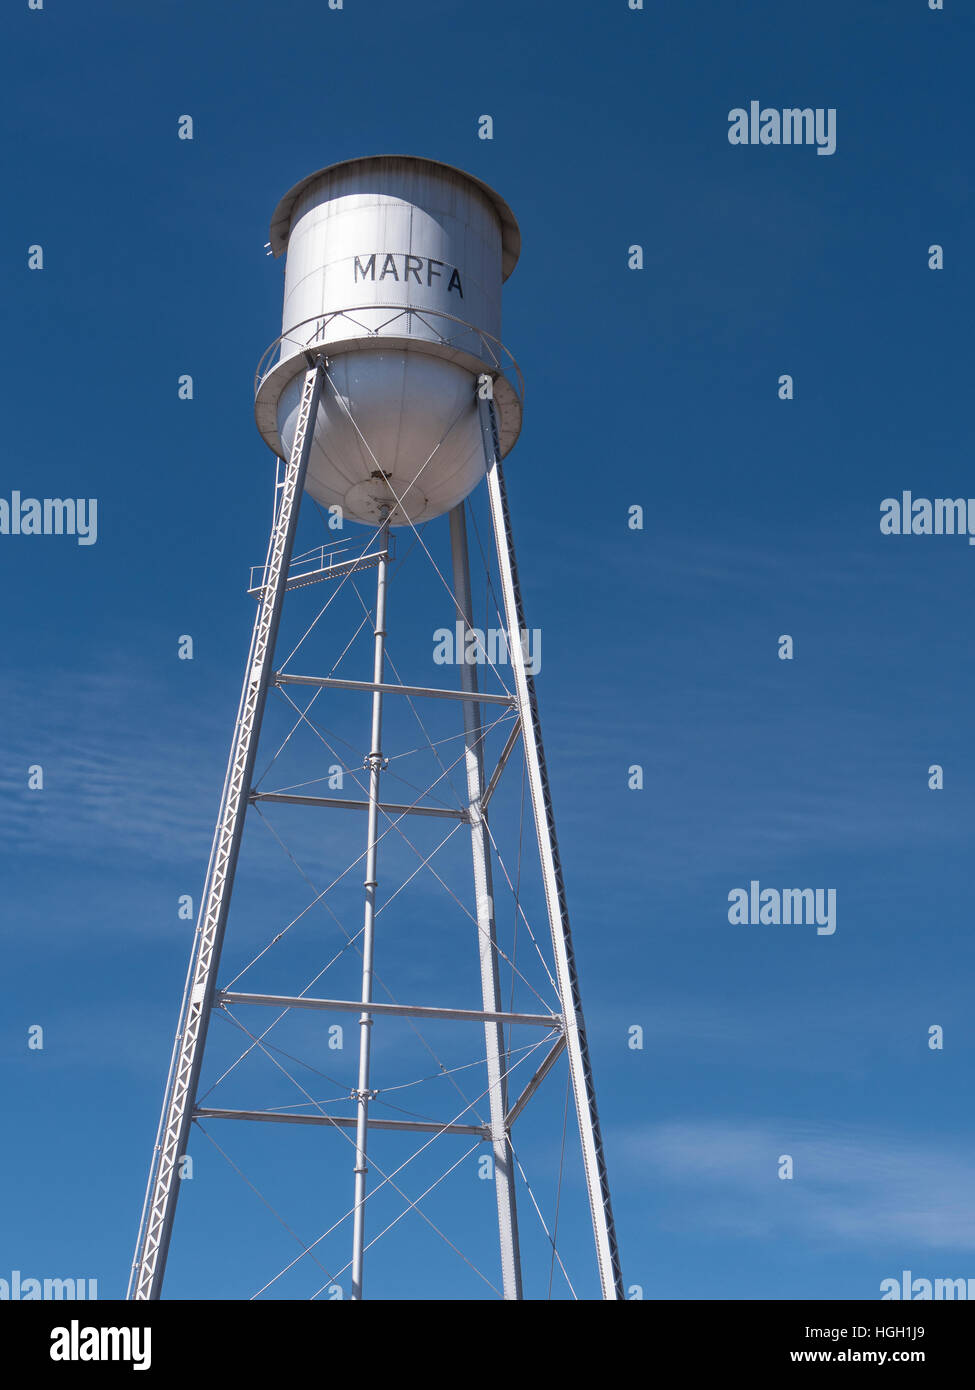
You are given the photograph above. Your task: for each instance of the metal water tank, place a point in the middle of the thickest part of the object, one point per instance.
(394, 267)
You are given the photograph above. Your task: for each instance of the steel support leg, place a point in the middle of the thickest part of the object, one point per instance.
(495, 1053)
(375, 760)
(157, 1224)
(580, 1070)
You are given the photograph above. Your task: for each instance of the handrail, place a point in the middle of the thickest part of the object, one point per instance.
(494, 350)
(322, 559)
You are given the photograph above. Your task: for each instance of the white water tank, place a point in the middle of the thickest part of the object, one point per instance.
(394, 267)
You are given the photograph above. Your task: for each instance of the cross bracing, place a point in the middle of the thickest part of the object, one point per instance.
(449, 1061)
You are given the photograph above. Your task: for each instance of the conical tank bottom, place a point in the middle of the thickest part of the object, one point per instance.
(397, 429)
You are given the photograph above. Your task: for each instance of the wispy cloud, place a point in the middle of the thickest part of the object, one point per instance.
(119, 772)
(849, 1187)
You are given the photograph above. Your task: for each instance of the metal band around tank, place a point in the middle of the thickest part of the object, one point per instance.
(497, 362)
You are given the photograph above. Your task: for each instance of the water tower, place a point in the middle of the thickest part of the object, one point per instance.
(389, 401)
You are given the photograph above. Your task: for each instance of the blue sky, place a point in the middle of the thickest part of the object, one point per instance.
(655, 387)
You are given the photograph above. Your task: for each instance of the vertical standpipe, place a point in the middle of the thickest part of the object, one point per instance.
(487, 940)
(375, 760)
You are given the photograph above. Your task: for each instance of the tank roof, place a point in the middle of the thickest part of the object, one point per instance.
(510, 235)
